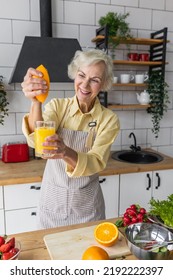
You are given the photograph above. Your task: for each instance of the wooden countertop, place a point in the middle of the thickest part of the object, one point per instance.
(33, 246)
(32, 170)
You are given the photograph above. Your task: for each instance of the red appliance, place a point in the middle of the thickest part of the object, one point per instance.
(15, 152)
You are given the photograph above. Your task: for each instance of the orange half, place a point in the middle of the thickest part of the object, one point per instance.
(106, 233)
(95, 253)
(42, 97)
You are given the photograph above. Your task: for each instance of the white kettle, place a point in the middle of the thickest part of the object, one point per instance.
(143, 98)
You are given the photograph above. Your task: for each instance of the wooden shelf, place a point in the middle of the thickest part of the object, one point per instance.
(137, 63)
(133, 41)
(130, 85)
(128, 106)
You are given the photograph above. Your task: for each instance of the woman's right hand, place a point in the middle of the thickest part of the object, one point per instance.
(32, 86)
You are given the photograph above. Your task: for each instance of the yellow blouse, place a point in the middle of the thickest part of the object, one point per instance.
(107, 128)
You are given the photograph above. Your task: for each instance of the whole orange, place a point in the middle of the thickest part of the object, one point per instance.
(95, 253)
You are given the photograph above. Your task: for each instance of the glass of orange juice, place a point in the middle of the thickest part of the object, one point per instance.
(42, 130)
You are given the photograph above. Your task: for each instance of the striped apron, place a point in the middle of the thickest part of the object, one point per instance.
(65, 200)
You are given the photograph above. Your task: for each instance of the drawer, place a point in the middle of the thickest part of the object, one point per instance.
(1, 197)
(22, 220)
(2, 223)
(21, 196)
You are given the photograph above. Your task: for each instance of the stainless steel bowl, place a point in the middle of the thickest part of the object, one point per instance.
(148, 231)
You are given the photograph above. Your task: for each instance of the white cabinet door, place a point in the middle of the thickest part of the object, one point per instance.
(20, 203)
(2, 224)
(21, 220)
(1, 198)
(110, 189)
(21, 196)
(135, 188)
(162, 184)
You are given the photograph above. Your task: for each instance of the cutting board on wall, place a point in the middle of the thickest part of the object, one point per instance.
(70, 245)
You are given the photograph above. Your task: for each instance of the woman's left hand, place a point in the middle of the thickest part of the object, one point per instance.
(57, 145)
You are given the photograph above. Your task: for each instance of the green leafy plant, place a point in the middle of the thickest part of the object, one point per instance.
(163, 209)
(159, 99)
(3, 102)
(117, 27)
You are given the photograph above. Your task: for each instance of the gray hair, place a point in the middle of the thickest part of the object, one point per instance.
(91, 57)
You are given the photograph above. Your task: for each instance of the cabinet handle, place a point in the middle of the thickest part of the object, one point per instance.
(158, 184)
(35, 188)
(33, 214)
(149, 182)
(103, 180)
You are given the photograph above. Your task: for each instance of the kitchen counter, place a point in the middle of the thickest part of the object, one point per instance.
(32, 170)
(33, 246)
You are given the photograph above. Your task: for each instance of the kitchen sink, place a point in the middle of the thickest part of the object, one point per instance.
(140, 157)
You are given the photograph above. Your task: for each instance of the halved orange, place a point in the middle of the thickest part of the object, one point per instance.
(42, 97)
(95, 253)
(106, 233)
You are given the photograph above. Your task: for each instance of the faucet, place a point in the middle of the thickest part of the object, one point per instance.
(134, 147)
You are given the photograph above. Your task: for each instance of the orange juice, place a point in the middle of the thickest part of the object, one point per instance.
(42, 130)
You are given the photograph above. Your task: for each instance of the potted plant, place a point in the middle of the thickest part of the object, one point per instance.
(3, 102)
(118, 28)
(159, 99)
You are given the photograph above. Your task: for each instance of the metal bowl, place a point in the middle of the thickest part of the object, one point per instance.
(148, 231)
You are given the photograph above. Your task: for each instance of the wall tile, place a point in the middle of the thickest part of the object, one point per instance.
(8, 54)
(18, 9)
(162, 19)
(9, 127)
(139, 18)
(6, 31)
(58, 11)
(102, 10)
(142, 119)
(161, 140)
(126, 119)
(18, 102)
(35, 10)
(65, 31)
(130, 3)
(79, 13)
(160, 4)
(169, 5)
(86, 35)
(24, 28)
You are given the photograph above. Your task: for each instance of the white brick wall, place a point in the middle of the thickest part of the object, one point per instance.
(79, 19)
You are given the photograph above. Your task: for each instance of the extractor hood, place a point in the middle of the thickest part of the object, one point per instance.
(54, 53)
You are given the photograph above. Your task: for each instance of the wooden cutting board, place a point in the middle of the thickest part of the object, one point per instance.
(70, 245)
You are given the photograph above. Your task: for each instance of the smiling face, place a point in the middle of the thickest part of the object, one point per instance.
(88, 83)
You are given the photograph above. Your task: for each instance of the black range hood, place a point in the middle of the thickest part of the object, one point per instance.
(54, 53)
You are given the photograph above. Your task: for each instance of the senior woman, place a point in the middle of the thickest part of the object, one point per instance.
(85, 130)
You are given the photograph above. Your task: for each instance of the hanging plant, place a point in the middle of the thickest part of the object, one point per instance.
(117, 27)
(3, 102)
(159, 99)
